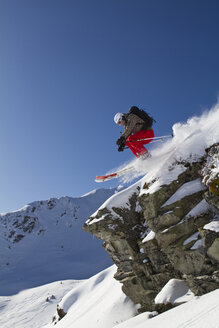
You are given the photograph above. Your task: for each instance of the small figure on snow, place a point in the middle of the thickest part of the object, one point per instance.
(137, 131)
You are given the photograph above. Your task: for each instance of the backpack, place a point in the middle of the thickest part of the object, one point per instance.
(143, 115)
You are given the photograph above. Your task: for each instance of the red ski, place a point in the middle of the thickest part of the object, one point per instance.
(102, 178)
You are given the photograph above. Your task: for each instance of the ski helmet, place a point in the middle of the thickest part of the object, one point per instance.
(118, 118)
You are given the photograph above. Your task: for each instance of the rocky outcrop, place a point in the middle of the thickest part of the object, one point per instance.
(155, 233)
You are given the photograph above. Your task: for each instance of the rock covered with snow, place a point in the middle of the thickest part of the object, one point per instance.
(174, 292)
(210, 169)
(158, 229)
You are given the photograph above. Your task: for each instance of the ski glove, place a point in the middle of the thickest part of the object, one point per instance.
(121, 148)
(121, 142)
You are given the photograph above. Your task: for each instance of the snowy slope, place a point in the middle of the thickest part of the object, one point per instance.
(44, 242)
(201, 312)
(97, 303)
(32, 308)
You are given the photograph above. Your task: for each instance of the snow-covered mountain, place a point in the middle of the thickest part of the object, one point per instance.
(44, 242)
(98, 302)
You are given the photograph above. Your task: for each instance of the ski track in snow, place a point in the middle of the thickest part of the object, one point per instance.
(198, 319)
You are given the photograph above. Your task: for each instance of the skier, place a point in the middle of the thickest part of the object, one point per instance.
(137, 126)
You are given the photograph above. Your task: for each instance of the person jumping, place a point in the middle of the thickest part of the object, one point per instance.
(137, 127)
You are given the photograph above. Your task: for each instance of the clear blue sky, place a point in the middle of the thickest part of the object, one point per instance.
(67, 66)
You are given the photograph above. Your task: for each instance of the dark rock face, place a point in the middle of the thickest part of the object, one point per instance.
(154, 237)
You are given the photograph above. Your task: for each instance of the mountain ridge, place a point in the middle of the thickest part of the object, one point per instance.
(43, 242)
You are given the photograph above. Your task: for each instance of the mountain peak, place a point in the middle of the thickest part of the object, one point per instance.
(44, 241)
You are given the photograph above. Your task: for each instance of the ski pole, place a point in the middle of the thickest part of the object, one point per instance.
(160, 139)
(156, 138)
